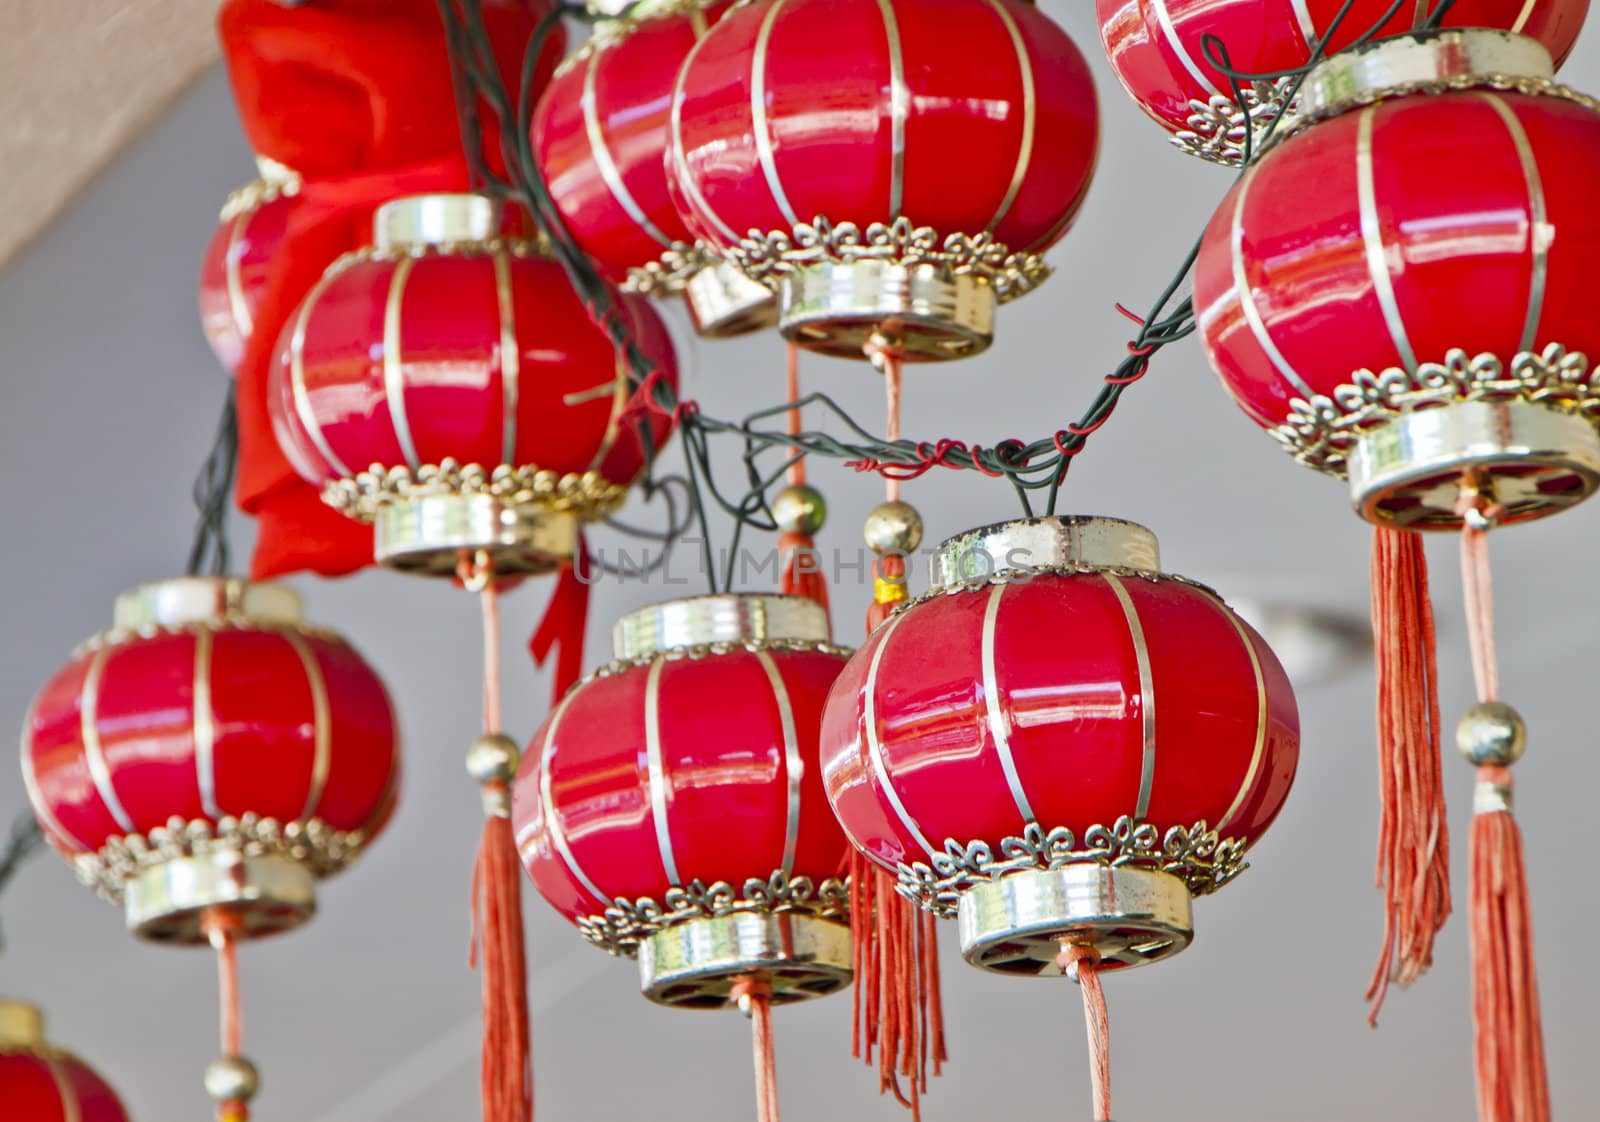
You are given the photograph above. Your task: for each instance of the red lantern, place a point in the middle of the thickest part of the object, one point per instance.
(450, 384)
(954, 146)
(696, 836)
(41, 1083)
(211, 752)
(600, 136)
(237, 266)
(1156, 49)
(1420, 336)
(1060, 744)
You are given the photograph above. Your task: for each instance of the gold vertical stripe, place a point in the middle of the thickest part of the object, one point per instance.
(793, 765)
(1147, 698)
(552, 817)
(322, 721)
(30, 783)
(1260, 750)
(1539, 232)
(394, 369)
(656, 765)
(1302, 16)
(604, 164)
(1247, 297)
(619, 403)
(510, 356)
(231, 272)
(680, 162)
(297, 378)
(1164, 18)
(71, 1108)
(205, 726)
(1524, 16)
(1029, 115)
(93, 751)
(899, 110)
(999, 722)
(759, 124)
(1372, 238)
(875, 746)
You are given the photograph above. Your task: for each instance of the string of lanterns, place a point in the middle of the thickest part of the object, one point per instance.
(435, 307)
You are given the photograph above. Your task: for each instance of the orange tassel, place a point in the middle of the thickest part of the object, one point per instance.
(888, 589)
(802, 569)
(507, 1068)
(1508, 1036)
(897, 1000)
(1413, 837)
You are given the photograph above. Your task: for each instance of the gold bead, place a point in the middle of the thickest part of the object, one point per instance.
(799, 509)
(893, 528)
(493, 758)
(232, 1079)
(1491, 734)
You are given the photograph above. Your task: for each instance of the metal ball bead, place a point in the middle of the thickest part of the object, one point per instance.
(232, 1079)
(493, 758)
(1491, 734)
(799, 509)
(893, 528)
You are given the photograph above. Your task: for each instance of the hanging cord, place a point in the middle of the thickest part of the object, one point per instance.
(498, 952)
(1082, 965)
(1512, 1082)
(232, 1080)
(753, 995)
(213, 490)
(26, 839)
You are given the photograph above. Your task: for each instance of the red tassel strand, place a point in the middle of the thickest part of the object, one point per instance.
(1508, 1032)
(897, 1000)
(802, 573)
(754, 996)
(1413, 836)
(221, 929)
(506, 1070)
(1083, 965)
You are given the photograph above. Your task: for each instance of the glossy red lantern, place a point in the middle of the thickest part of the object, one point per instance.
(672, 805)
(211, 752)
(41, 1083)
(235, 270)
(1419, 335)
(1060, 743)
(1157, 50)
(600, 136)
(953, 146)
(450, 384)
(360, 85)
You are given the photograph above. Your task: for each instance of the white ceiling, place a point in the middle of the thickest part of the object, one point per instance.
(368, 1014)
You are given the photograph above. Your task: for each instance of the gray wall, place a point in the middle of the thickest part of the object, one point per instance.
(368, 1015)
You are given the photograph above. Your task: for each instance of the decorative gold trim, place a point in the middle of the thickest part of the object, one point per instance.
(257, 193)
(609, 32)
(589, 495)
(626, 923)
(312, 844)
(525, 248)
(1359, 98)
(668, 273)
(1217, 125)
(710, 650)
(1322, 432)
(1204, 860)
(776, 254)
(116, 636)
(1022, 574)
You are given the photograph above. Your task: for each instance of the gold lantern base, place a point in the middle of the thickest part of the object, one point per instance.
(1020, 923)
(1527, 459)
(429, 534)
(835, 307)
(696, 963)
(265, 893)
(723, 302)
